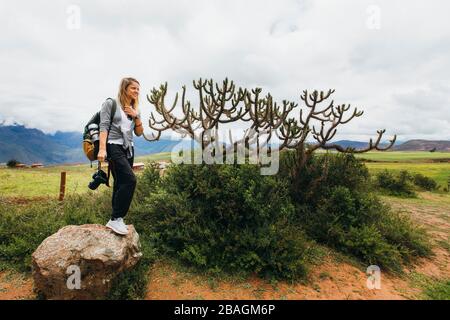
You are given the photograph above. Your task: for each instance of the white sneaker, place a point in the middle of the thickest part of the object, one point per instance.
(122, 223)
(117, 226)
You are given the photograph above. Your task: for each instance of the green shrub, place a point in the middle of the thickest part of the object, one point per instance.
(321, 173)
(132, 284)
(398, 229)
(425, 182)
(359, 224)
(12, 163)
(148, 181)
(438, 290)
(401, 184)
(368, 243)
(336, 206)
(396, 185)
(226, 218)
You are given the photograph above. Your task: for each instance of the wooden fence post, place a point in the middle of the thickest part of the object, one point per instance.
(62, 186)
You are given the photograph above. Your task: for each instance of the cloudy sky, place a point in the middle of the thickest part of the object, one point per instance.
(61, 59)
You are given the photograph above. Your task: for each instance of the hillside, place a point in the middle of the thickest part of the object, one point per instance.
(410, 145)
(32, 145)
(423, 145)
(351, 144)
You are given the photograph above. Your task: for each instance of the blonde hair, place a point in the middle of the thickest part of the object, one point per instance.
(124, 83)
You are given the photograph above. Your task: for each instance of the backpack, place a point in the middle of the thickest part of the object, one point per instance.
(91, 135)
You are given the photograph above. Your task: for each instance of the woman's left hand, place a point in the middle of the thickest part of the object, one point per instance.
(130, 111)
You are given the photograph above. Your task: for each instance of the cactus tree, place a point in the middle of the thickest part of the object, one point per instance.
(225, 103)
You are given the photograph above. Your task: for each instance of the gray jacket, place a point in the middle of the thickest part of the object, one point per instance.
(116, 132)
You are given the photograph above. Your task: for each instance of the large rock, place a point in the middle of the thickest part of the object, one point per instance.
(92, 251)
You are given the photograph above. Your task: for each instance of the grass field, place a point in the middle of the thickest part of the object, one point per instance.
(44, 182)
(426, 163)
(440, 172)
(405, 156)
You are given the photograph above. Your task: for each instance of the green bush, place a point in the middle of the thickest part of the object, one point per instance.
(425, 182)
(226, 218)
(359, 224)
(395, 184)
(438, 290)
(321, 173)
(336, 206)
(368, 243)
(132, 284)
(12, 163)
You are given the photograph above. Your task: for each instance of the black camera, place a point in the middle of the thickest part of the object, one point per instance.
(98, 178)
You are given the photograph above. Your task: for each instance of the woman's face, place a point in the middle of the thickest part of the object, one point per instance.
(133, 91)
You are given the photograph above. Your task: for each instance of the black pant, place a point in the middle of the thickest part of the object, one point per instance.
(124, 179)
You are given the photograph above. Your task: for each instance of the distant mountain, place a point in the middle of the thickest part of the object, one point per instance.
(424, 145)
(410, 145)
(354, 144)
(32, 145)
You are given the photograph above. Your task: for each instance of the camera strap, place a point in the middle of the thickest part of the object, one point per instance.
(110, 164)
(113, 112)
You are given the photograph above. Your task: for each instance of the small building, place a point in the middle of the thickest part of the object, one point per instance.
(20, 166)
(138, 166)
(37, 165)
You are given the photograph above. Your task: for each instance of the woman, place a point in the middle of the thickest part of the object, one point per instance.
(117, 147)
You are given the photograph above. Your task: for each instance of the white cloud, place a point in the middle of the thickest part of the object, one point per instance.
(54, 78)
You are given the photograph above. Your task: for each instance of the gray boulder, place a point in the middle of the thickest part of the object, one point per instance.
(80, 262)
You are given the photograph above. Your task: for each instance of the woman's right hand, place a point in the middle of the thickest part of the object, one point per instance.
(101, 155)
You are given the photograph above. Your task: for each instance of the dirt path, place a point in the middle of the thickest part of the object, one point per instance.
(14, 286)
(432, 212)
(328, 281)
